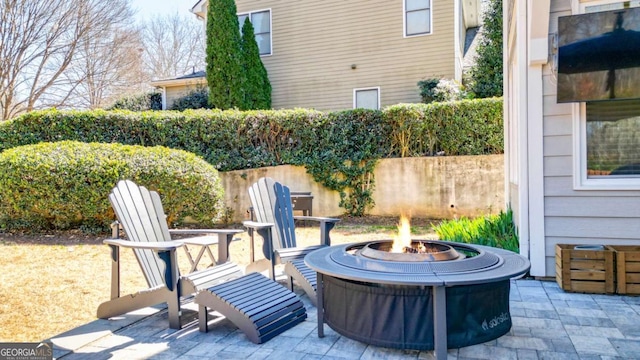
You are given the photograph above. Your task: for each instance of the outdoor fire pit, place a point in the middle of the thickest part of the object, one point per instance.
(447, 295)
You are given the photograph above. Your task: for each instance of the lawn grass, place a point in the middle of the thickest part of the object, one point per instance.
(50, 284)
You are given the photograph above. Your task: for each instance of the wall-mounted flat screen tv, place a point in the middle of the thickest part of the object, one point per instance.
(599, 56)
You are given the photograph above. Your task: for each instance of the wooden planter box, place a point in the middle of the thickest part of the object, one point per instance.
(588, 271)
(627, 268)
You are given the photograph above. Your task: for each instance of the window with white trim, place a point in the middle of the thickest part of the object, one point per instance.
(613, 139)
(417, 17)
(261, 21)
(608, 141)
(368, 98)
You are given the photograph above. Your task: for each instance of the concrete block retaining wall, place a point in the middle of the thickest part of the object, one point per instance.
(431, 187)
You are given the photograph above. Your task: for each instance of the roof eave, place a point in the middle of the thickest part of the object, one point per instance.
(199, 9)
(179, 82)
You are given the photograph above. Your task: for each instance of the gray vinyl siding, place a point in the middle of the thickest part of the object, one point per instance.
(315, 43)
(577, 216)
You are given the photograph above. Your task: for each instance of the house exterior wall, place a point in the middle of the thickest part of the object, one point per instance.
(172, 89)
(510, 58)
(516, 130)
(568, 216)
(315, 44)
(460, 34)
(174, 92)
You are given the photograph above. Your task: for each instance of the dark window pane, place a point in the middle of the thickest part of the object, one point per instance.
(613, 139)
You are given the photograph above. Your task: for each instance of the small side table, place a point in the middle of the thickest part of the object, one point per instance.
(222, 237)
(302, 201)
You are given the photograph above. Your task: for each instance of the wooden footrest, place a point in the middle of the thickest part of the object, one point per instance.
(258, 306)
(305, 276)
(208, 277)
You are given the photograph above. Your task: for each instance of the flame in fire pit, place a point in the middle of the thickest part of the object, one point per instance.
(403, 239)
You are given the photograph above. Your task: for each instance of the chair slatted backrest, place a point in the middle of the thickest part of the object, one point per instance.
(142, 217)
(271, 203)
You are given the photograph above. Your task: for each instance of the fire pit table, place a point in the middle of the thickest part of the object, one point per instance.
(451, 295)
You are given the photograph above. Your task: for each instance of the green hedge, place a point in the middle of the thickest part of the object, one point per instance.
(65, 184)
(138, 102)
(233, 140)
(467, 127)
(197, 98)
(229, 140)
(339, 149)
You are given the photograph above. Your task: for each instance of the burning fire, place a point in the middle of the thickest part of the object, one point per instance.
(402, 241)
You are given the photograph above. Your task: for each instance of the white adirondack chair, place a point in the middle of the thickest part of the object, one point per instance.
(140, 213)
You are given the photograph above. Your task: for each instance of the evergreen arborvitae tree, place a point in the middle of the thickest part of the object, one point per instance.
(224, 71)
(486, 75)
(257, 88)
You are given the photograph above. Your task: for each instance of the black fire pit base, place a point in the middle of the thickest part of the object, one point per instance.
(401, 317)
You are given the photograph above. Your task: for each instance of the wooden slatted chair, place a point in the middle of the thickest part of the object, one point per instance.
(140, 213)
(273, 210)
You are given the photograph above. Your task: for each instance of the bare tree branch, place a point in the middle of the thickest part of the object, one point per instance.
(174, 46)
(40, 41)
(111, 66)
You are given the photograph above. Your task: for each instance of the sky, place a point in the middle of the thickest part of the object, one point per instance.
(150, 8)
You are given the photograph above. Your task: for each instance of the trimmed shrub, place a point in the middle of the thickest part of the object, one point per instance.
(449, 90)
(229, 140)
(339, 149)
(195, 99)
(65, 184)
(466, 127)
(427, 88)
(441, 90)
(234, 140)
(138, 102)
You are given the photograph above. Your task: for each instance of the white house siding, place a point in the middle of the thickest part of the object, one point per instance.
(315, 44)
(460, 42)
(515, 124)
(509, 37)
(577, 216)
(514, 201)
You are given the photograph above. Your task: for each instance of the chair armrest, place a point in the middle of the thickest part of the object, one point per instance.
(326, 224)
(157, 246)
(316, 218)
(210, 236)
(204, 231)
(256, 225)
(115, 229)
